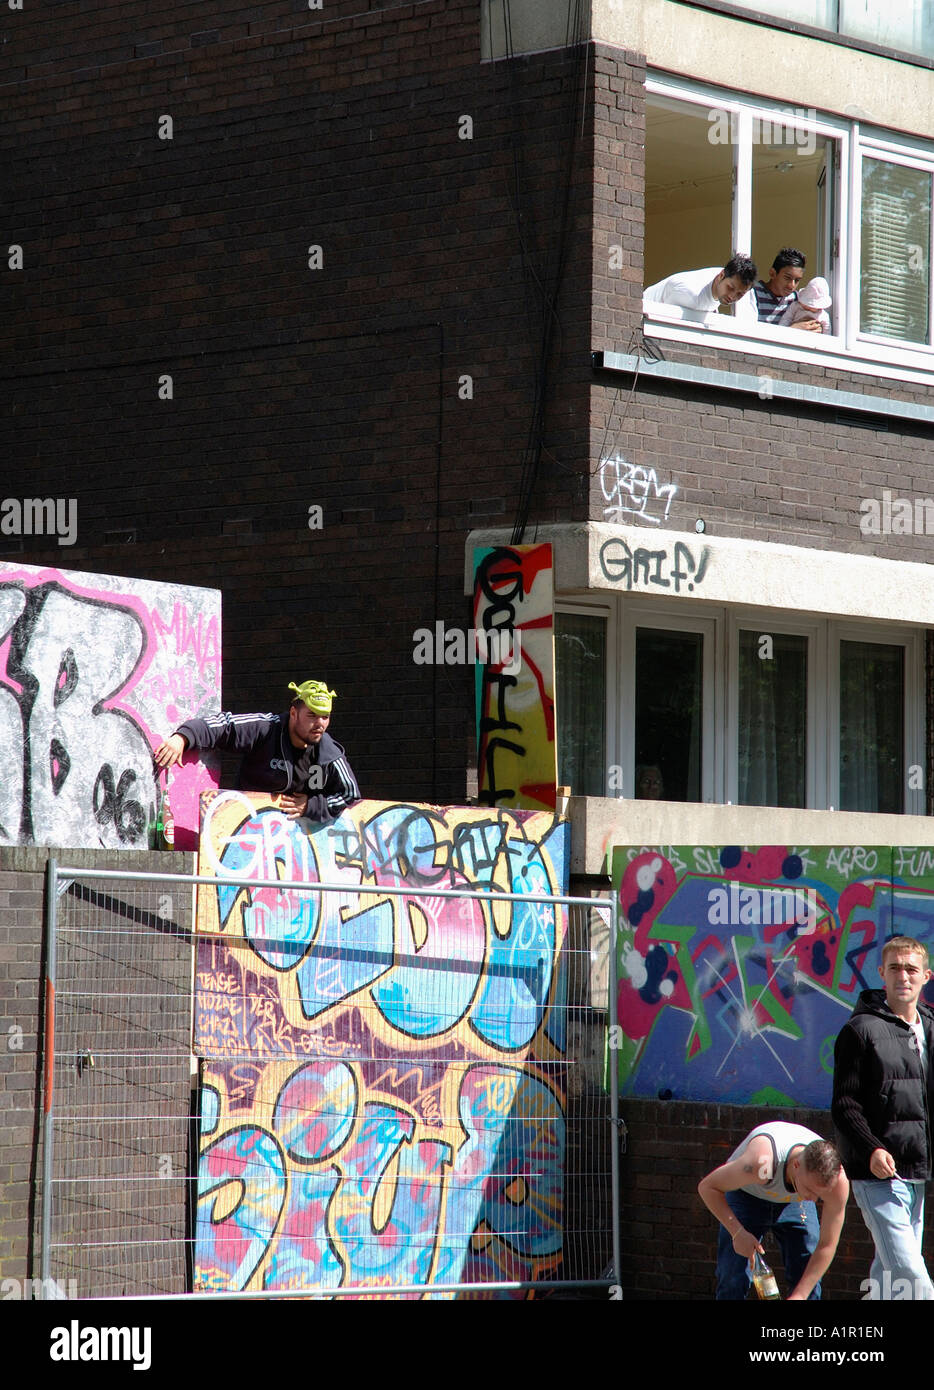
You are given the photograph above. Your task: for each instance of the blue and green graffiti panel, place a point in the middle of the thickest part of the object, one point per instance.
(383, 1079)
(739, 965)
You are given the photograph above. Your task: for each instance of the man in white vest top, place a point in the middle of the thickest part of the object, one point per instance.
(772, 1182)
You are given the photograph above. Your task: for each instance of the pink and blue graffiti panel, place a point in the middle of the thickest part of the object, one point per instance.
(738, 966)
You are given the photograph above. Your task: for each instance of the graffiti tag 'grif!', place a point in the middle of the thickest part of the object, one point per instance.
(641, 567)
(69, 756)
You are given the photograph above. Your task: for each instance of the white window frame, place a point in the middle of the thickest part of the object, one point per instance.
(674, 618)
(846, 348)
(913, 713)
(720, 624)
(872, 148)
(779, 622)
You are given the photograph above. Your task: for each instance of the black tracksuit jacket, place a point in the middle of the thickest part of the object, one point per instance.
(271, 762)
(881, 1099)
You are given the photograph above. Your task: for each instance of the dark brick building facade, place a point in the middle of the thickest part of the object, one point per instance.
(293, 388)
(297, 260)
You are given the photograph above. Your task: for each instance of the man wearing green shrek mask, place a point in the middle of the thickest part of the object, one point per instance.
(292, 753)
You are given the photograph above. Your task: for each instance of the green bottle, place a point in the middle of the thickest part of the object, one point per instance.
(165, 823)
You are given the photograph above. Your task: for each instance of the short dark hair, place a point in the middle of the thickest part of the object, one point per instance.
(742, 267)
(822, 1161)
(788, 255)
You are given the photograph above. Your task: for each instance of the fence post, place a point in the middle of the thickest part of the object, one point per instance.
(51, 908)
(613, 1070)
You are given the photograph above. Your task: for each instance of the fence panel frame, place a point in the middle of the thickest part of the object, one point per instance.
(60, 877)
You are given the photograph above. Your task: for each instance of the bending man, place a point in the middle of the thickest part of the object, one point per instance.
(700, 293)
(771, 1182)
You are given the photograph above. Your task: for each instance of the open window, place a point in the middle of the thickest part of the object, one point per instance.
(726, 173)
(729, 176)
(688, 190)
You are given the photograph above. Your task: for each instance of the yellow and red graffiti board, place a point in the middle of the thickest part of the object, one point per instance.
(515, 680)
(383, 1076)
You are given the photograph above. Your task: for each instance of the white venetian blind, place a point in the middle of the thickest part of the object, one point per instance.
(895, 254)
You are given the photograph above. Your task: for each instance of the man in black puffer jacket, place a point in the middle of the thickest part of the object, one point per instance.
(883, 1100)
(292, 754)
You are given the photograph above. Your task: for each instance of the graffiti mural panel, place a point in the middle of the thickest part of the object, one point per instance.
(383, 1075)
(515, 682)
(94, 671)
(738, 966)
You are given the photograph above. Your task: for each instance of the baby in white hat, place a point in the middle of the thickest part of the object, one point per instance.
(812, 302)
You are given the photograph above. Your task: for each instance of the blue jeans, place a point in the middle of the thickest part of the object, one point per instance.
(796, 1229)
(893, 1210)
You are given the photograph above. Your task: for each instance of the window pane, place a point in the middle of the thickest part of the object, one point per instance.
(895, 261)
(819, 13)
(580, 695)
(669, 707)
(772, 719)
(872, 727)
(688, 189)
(792, 197)
(904, 24)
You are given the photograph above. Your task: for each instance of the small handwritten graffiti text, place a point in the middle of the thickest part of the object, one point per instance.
(629, 488)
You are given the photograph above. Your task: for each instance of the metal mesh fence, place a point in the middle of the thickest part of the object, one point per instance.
(327, 1090)
(121, 1088)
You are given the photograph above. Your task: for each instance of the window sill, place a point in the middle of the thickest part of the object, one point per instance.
(599, 823)
(821, 350)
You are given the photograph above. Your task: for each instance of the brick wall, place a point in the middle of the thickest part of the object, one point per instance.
(121, 1095)
(338, 387)
(343, 387)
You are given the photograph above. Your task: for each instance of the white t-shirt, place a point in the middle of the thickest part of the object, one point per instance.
(689, 289)
(783, 1137)
(918, 1029)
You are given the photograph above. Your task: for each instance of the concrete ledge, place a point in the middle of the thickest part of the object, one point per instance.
(599, 823)
(599, 557)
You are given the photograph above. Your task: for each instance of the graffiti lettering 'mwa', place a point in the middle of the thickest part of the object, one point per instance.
(70, 758)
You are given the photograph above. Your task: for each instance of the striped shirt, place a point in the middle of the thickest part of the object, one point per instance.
(770, 307)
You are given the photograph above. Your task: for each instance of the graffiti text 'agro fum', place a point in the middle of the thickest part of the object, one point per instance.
(40, 516)
(468, 647)
(749, 906)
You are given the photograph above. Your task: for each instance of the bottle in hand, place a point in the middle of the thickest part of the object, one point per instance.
(766, 1285)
